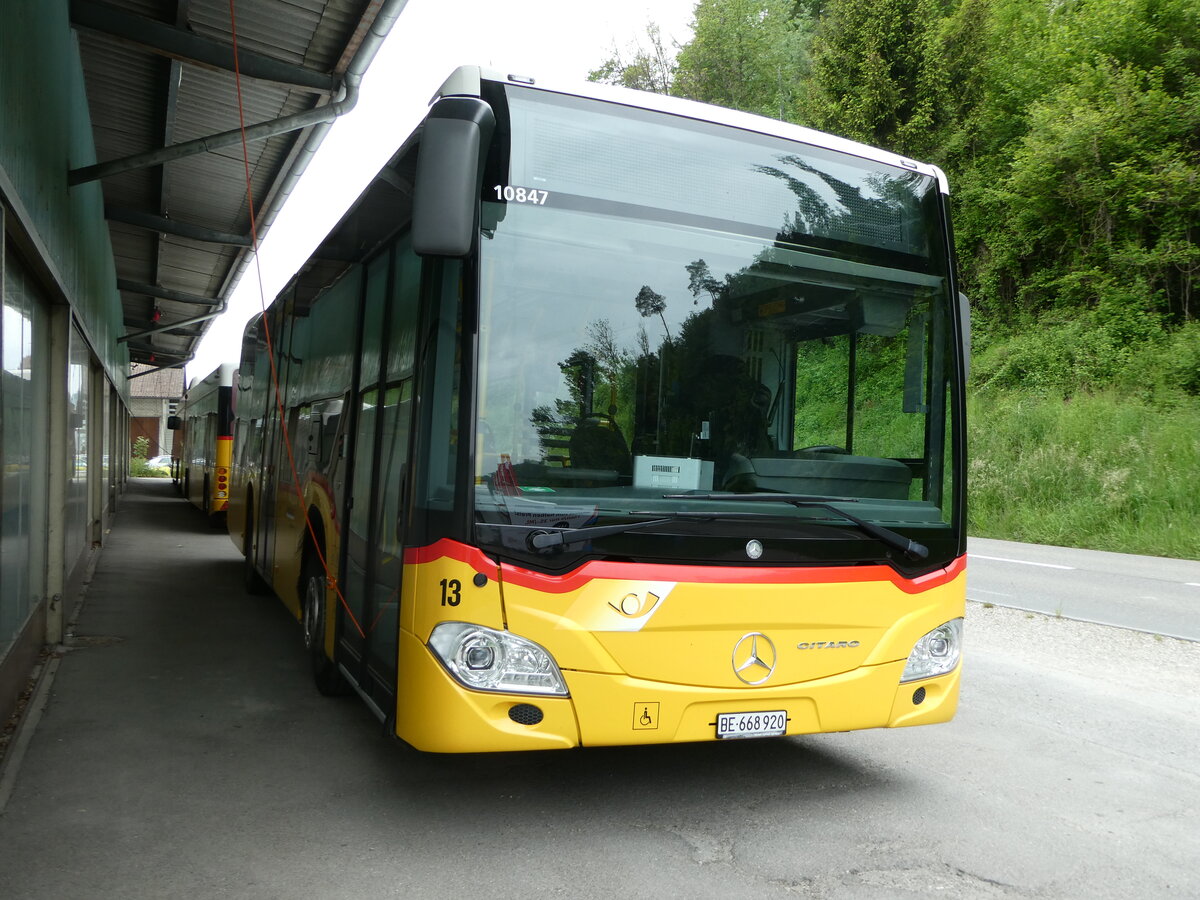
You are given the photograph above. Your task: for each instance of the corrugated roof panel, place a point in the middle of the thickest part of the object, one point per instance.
(160, 10)
(190, 268)
(212, 188)
(125, 94)
(276, 29)
(339, 24)
(131, 249)
(128, 90)
(208, 103)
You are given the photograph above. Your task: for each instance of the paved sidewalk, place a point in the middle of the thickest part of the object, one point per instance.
(175, 721)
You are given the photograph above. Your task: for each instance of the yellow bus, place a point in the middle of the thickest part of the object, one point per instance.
(607, 418)
(204, 462)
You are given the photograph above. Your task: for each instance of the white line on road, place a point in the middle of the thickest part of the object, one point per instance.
(993, 593)
(1023, 562)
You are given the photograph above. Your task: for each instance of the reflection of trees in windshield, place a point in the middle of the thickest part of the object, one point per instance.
(649, 303)
(696, 388)
(686, 394)
(597, 382)
(878, 221)
(701, 281)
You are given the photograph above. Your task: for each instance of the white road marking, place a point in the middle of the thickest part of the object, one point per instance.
(1023, 562)
(993, 593)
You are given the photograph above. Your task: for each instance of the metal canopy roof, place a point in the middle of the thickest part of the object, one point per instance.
(163, 98)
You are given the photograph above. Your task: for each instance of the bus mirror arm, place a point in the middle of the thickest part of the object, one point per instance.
(450, 159)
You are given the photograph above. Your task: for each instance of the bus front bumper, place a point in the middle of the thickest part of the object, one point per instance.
(439, 715)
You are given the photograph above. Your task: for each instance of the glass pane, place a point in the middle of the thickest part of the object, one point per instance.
(643, 348)
(395, 419)
(77, 437)
(19, 462)
(360, 512)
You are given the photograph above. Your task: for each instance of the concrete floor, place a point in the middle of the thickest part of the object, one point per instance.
(179, 711)
(181, 750)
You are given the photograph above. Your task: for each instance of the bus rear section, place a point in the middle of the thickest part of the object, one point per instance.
(206, 457)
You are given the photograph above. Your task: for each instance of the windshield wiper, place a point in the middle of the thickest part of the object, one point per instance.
(908, 547)
(544, 539)
(547, 540)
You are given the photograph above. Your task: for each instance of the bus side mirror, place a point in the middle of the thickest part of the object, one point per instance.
(174, 423)
(450, 158)
(964, 315)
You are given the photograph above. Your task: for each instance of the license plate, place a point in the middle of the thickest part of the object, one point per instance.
(752, 724)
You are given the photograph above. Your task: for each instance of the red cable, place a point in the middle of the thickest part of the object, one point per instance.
(330, 581)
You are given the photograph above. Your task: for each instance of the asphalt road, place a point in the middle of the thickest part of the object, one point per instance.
(1147, 593)
(182, 752)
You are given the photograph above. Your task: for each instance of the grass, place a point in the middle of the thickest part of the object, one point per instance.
(139, 468)
(1104, 471)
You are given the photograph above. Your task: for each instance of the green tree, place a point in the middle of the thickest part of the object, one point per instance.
(877, 73)
(745, 54)
(1077, 164)
(649, 68)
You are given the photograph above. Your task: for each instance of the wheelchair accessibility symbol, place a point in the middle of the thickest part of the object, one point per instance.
(645, 716)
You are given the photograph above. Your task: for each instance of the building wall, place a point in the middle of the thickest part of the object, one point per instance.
(46, 131)
(64, 391)
(149, 420)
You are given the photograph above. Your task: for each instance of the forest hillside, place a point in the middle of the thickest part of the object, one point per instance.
(1070, 133)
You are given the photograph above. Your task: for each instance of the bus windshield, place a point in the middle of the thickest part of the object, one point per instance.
(678, 317)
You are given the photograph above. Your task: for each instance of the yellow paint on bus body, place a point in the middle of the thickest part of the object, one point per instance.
(655, 660)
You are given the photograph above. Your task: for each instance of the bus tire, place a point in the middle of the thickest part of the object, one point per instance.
(325, 672)
(251, 579)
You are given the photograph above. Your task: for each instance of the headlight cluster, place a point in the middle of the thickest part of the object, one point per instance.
(489, 660)
(936, 653)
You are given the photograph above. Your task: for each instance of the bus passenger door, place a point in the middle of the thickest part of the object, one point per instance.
(373, 543)
(395, 416)
(356, 563)
(275, 465)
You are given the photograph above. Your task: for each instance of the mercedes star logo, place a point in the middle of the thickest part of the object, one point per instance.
(754, 658)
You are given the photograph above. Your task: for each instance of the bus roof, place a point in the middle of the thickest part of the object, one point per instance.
(222, 375)
(466, 81)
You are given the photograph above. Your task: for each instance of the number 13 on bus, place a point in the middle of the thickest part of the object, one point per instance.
(606, 418)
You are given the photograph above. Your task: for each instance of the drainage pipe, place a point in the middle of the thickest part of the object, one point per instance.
(389, 12)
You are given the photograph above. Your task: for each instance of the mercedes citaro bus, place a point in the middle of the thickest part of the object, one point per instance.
(608, 418)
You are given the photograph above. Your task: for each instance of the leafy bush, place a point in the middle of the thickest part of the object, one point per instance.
(1091, 352)
(140, 468)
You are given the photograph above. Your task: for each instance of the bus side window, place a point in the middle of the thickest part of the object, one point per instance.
(306, 433)
(327, 417)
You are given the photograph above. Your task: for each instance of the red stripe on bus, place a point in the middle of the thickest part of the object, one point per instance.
(600, 569)
(448, 549)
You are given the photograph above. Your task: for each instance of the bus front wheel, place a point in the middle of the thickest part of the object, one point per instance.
(328, 679)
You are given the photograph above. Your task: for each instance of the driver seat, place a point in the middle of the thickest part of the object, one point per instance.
(597, 443)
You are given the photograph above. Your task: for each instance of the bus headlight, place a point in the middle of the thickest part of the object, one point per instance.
(489, 660)
(936, 653)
